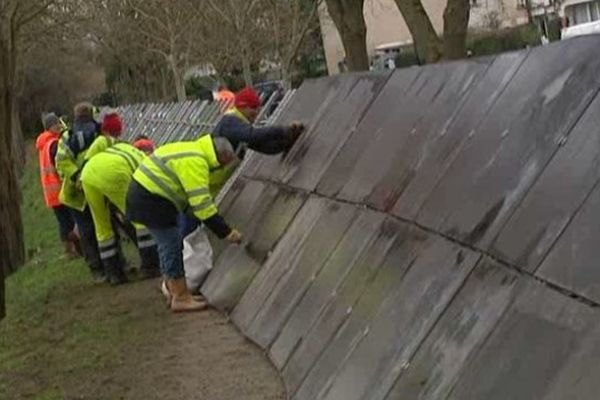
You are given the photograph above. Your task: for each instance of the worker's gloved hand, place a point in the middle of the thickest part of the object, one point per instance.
(234, 237)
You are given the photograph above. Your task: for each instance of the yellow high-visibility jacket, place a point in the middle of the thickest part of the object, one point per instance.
(101, 143)
(106, 176)
(180, 172)
(73, 148)
(111, 170)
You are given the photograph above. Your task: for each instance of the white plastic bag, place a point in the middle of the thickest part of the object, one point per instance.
(197, 258)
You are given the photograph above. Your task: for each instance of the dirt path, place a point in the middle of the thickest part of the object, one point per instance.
(139, 350)
(204, 358)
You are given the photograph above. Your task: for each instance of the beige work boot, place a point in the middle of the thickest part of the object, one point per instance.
(182, 300)
(165, 292)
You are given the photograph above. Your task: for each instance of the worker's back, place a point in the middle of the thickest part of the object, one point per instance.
(113, 168)
(176, 171)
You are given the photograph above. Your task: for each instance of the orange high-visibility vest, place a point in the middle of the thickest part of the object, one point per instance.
(50, 180)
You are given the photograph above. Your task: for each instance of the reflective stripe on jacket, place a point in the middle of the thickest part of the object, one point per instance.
(49, 177)
(111, 170)
(180, 172)
(70, 157)
(100, 144)
(106, 176)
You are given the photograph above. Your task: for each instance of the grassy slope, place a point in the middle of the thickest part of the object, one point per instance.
(60, 327)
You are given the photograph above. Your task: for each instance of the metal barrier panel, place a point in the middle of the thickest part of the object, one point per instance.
(506, 153)
(529, 349)
(262, 212)
(572, 263)
(435, 158)
(431, 236)
(460, 332)
(188, 120)
(554, 200)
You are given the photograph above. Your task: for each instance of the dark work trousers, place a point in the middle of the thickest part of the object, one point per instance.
(87, 234)
(148, 253)
(66, 223)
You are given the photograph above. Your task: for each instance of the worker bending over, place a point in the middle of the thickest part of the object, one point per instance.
(236, 126)
(105, 180)
(173, 179)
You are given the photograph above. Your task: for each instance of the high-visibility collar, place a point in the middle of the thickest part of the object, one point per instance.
(238, 114)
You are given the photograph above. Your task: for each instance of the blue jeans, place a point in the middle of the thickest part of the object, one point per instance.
(170, 251)
(187, 224)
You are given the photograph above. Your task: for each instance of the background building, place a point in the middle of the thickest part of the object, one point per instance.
(386, 27)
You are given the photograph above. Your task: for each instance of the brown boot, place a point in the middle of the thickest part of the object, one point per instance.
(70, 250)
(73, 238)
(182, 300)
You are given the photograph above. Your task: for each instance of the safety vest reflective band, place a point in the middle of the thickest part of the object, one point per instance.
(51, 183)
(144, 238)
(64, 151)
(179, 201)
(108, 248)
(180, 172)
(129, 158)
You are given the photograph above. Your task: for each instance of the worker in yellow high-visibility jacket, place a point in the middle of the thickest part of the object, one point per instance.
(175, 178)
(105, 180)
(70, 156)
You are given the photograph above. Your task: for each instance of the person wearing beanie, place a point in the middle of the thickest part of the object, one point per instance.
(70, 157)
(236, 126)
(144, 144)
(111, 130)
(46, 145)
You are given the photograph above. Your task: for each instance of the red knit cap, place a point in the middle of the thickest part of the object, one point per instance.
(247, 98)
(112, 124)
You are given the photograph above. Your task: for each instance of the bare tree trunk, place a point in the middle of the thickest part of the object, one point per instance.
(347, 15)
(456, 23)
(18, 140)
(286, 76)
(246, 69)
(164, 86)
(428, 44)
(528, 10)
(178, 79)
(11, 234)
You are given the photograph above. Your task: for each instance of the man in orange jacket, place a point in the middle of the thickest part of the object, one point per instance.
(46, 145)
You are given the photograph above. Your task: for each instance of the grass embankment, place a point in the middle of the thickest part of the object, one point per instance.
(60, 328)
